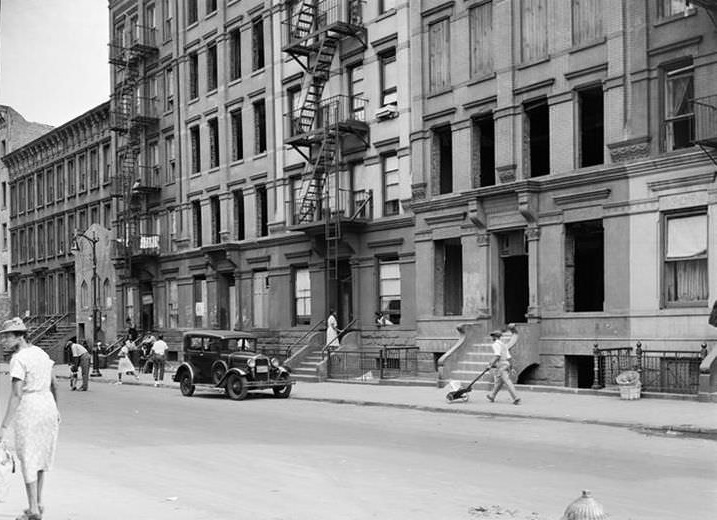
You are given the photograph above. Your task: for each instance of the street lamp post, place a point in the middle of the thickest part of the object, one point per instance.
(95, 308)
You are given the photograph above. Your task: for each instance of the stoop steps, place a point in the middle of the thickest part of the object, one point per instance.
(306, 370)
(475, 360)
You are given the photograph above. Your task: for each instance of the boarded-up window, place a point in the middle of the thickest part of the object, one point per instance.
(587, 21)
(481, 39)
(534, 29)
(439, 55)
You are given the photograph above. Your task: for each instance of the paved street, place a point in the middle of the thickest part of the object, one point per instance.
(139, 452)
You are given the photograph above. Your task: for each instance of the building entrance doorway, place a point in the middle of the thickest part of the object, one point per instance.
(344, 311)
(147, 299)
(514, 263)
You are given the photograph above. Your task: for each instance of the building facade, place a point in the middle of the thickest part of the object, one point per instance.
(60, 211)
(15, 131)
(545, 163)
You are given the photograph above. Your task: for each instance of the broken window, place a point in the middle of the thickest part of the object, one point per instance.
(686, 259)
(584, 267)
(449, 277)
(443, 158)
(679, 124)
(590, 108)
(483, 151)
(537, 133)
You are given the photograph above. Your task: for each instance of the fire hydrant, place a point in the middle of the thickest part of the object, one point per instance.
(585, 508)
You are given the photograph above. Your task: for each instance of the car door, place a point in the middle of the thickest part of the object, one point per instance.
(202, 359)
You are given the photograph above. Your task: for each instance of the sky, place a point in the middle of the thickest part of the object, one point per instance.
(53, 57)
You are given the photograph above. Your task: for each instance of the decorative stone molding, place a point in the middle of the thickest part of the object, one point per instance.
(476, 214)
(506, 173)
(532, 233)
(578, 198)
(418, 191)
(630, 150)
(483, 239)
(682, 182)
(528, 206)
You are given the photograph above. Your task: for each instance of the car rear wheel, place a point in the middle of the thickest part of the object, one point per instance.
(236, 387)
(282, 392)
(185, 384)
(219, 370)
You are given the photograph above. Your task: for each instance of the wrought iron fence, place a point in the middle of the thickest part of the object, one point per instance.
(383, 363)
(610, 362)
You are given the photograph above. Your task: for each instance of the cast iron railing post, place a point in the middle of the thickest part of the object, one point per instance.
(596, 367)
(638, 358)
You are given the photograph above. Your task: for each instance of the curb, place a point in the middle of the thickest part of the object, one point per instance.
(683, 429)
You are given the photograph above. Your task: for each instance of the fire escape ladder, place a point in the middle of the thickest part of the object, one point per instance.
(315, 176)
(305, 20)
(315, 81)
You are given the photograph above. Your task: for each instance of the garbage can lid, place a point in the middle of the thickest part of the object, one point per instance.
(628, 377)
(585, 508)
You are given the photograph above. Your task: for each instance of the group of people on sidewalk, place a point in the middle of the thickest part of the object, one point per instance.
(153, 350)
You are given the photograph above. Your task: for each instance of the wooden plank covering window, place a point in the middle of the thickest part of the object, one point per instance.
(481, 39)
(534, 30)
(439, 55)
(587, 21)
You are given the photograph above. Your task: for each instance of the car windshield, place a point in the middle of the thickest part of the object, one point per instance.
(238, 344)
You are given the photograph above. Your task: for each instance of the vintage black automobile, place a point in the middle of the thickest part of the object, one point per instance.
(228, 359)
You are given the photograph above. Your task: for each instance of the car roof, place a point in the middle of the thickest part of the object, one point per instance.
(222, 334)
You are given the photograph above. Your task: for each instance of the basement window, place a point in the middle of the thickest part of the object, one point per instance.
(443, 159)
(483, 151)
(590, 117)
(584, 267)
(537, 133)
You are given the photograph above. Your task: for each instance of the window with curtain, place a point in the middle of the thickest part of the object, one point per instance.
(480, 20)
(587, 21)
(356, 91)
(302, 296)
(685, 259)
(534, 30)
(389, 80)
(439, 55)
(391, 199)
(389, 290)
(679, 125)
(671, 7)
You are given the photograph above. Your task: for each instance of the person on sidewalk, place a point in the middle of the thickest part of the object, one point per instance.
(503, 341)
(80, 359)
(332, 331)
(32, 411)
(158, 355)
(125, 366)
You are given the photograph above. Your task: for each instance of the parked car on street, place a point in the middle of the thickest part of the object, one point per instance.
(228, 359)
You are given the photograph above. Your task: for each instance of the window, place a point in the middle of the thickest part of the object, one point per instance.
(679, 125)
(50, 230)
(3, 148)
(211, 6)
(587, 21)
(192, 11)
(21, 197)
(107, 215)
(4, 195)
(590, 119)
(94, 169)
(212, 67)
(391, 204)
(107, 163)
(239, 214)
(150, 18)
(537, 133)
(82, 167)
(237, 135)
(483, 152)
(302, 296)
(443, 159)
(584, 267)
(257, 38)
(50, 186)
(386, 5)
(170, 168)
(4, 278)
(153, 163)
(216, 213)
(60, 236)
(200, 299)
(685, 259)
(356, 92)
(40, 185)
(82, 220)
(195, 149)
(672, 7)
(167, 27)
(13, 247)
(84, 295)
(259, 127)
(262, 210)
(13, 199)
(389, 288)
(70, 227)
(193, 76)
(60, 181)
(235, 54)
(169, 89)
(4, 237)
(197, 222)
(439, 55)
(94, 215)
(213, 125)
(534, 30)
(172, 298)
(388, 79)
(481, 39)
(31, 243)
(40, 241)
(30, 193)
(71, 177)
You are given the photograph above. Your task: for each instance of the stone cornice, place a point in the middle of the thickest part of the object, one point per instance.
(682, 182)
(579, 198)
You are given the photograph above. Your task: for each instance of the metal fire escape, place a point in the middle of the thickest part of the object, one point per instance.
(132, 113)
(318, 128)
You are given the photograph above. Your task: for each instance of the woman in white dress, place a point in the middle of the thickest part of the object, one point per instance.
(124, 365)
(332, 330)
(32, 411)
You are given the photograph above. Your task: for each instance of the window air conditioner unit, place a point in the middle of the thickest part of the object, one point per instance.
(387, 112)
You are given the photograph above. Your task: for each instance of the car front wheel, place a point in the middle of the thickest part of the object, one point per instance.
(282, 392)
(185, 385)
(236, 387)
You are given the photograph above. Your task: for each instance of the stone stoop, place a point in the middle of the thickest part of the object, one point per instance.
(476, 360)
(306, 371)
(54, 342)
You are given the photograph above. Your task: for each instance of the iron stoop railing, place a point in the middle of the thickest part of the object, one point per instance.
(667, 371)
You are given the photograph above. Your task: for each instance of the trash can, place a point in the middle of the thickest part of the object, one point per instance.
(630, 385)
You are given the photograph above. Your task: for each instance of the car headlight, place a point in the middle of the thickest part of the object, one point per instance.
(251, 362)
(274, 362)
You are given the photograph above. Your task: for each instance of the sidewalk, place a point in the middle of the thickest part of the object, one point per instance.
(671, 416)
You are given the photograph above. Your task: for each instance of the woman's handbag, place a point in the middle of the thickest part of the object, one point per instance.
(7, 468)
